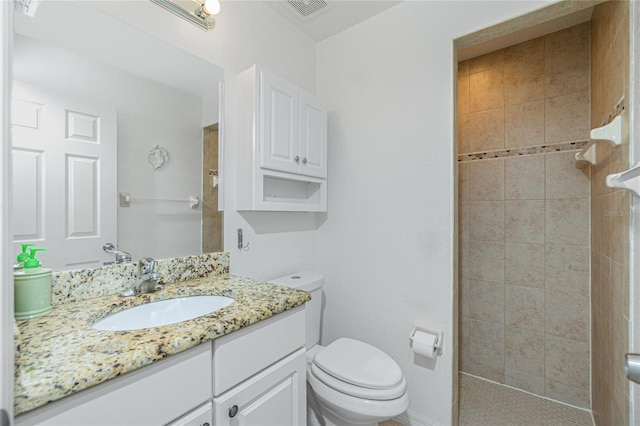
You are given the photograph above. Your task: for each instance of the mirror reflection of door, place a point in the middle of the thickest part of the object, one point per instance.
(64, 175)
(212, 219)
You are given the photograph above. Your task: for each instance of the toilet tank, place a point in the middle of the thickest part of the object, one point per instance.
(312, 282)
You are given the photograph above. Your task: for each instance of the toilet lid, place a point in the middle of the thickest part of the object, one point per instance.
(359, 364)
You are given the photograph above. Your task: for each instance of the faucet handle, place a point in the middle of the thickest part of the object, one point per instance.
(121, 256)
(147, 265)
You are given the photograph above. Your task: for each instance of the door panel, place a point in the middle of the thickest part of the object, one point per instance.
(279, 124)
(313, 137)
(64, 186)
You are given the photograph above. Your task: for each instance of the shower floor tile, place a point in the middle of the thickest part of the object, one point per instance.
(484, 403)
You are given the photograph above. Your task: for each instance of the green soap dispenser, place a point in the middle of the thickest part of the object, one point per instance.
(22, 257)
(32, 288)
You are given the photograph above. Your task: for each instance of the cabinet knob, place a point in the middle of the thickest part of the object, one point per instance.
(304, 160)
(297, 158)
(233, 411)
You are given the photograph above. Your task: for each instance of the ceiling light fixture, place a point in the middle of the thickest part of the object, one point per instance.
(199, 13)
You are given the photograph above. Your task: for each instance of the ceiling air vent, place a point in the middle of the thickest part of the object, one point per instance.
(307, 9)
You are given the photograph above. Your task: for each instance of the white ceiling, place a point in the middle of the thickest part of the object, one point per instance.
(340, 15)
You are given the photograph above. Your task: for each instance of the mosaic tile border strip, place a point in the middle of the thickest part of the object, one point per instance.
(527, 150)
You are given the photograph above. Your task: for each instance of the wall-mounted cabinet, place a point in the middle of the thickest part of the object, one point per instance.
(282, 145)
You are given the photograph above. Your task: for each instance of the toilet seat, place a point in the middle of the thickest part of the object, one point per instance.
(358, 369)
(359, 391)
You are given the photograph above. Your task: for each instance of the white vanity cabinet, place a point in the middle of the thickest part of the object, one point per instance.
(260, 374)
(282, 145)
(153, 395)
(254, 376)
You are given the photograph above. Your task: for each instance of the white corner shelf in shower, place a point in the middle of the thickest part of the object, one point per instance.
(611, 132)
(587, 153)
(629, 179)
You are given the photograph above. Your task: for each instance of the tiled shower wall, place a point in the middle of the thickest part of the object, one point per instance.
(525, 216)
(610, 210)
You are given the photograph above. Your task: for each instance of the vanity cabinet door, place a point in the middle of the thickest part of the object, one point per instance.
(201, 416)
(274, 397)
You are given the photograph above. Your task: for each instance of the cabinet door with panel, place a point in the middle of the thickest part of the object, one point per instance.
(278, 124)
(313, 137)
(274, 397)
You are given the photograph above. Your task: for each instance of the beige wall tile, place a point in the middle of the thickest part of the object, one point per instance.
(463, 95)
(486, 90)
(486, 261)
(524, 124)
(619, 216)
(486, 180)
(579, 397)
(599, 110)
(526, 382)
(463, 307)
(567, 118)
(567, 221)
(567, 362)
(486, 220)
(601, 214)
(463, 134)
(463, 68)
(524, 221)
(565, 177)
(524, 177)
(486, 130)
(464, 254)
(463, 180)
(524, 309)
(486, 301)
(488, 61)
(524, 72)
(567, 315)
(524, 352)
(523, 264)
(567, 61)
(464, 343)
(464, 216)
(486, 349)
(567, 268)
(615, 73)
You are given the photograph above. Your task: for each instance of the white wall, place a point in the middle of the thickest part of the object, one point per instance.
(246, 32)
(148, 114)
(387, 246)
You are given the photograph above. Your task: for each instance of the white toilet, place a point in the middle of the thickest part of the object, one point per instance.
(351, 382)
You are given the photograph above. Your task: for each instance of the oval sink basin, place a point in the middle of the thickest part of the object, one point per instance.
(164, 312)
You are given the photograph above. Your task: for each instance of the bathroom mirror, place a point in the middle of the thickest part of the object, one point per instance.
(134, 123)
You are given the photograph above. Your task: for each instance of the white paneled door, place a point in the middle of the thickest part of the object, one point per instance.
(64, 176)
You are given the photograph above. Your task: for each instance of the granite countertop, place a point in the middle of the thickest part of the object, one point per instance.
(61, 354)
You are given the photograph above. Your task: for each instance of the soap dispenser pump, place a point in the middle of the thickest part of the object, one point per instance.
(32, 288)
(22, 256)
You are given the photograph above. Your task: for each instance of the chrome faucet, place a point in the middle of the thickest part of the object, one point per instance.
(147, 280)
(121, 256)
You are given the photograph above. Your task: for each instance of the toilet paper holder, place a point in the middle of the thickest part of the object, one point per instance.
(419, 327)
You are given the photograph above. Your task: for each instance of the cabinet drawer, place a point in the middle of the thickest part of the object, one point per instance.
(152, 395)
(245, 352)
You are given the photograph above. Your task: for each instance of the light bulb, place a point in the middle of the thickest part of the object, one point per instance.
(211, 7)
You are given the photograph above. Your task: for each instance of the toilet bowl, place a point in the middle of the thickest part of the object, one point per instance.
(350, 382)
